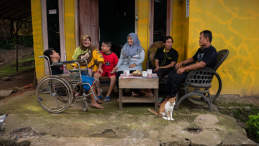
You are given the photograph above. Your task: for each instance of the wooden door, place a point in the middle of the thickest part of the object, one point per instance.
(88, 11)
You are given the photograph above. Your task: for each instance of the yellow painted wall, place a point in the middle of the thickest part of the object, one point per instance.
(234, 25)
(180, 29)
(37, 37)
(69, 28)
(143, 26)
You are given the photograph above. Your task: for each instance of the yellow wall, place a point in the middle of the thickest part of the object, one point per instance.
(234, 25)
(37, 37)
(69, 28)
(180, 29)
(143, 26)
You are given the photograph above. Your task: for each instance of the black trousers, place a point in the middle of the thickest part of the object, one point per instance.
(163, 72)
(173, 82)
(117, 80)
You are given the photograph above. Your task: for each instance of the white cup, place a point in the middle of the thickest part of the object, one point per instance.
(149, 72)
(144, 74)
(126, 72)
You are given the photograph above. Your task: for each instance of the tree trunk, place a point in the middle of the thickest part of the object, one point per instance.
(16, 46)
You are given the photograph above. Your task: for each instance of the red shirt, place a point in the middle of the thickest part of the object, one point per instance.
(110, 61)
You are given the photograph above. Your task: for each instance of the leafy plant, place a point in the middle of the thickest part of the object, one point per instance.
(253, 127)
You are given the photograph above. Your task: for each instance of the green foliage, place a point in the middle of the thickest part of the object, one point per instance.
(6, 46)
(26, 41)
(253, 127)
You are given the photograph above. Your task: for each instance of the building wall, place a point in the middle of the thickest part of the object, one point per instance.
(36, 14)
(180, 29)
(143, 26)
(234, 25)
(69, 28)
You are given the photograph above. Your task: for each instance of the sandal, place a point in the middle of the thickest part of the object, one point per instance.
(134, 94)
(107, 99)
(100, 96)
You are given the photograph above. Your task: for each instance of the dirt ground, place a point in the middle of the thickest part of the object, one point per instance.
(18, 81)
(22, 79)
(8, 56)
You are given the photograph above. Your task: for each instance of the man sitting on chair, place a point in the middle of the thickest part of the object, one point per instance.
(206, 57)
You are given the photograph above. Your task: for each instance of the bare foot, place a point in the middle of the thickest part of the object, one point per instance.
(99, 101)
(150, 94)
(96, 105)
(144, 91)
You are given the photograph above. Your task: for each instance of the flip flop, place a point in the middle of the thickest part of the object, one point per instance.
(107, 99)
(134, 94)
(100, 96)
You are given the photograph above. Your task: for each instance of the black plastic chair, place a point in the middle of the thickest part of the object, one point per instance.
(198, 83)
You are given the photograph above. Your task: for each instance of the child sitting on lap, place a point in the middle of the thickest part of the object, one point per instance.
(54, 57)
(110, 61)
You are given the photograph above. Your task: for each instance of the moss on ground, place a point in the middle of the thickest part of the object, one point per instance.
(9, 69)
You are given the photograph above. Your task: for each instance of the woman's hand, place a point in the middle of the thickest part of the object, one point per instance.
(100, 70)
(85, 56)
(114, 69)
(132, 65)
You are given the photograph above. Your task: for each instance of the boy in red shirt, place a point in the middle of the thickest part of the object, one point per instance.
(110, 61)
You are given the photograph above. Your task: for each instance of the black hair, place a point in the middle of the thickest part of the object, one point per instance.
(166, 38)
(108, 43)
(207, 34)
(48, 53)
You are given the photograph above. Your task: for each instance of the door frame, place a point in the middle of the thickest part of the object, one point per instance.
(45, 31)
(169, 18)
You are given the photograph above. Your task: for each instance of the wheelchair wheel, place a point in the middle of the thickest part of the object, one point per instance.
(85, 105)
(54, 94)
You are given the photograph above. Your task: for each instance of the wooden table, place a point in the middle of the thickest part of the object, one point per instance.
(138, 83)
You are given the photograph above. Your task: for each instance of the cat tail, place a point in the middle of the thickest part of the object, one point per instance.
(154, 112)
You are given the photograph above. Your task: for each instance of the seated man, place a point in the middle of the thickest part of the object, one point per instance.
(165, 60)
(206, 57)
(54, 57)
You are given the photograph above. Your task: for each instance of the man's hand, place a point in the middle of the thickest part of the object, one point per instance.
(100, 70)
(114, 69)
(132, 65)
(180, 70)
(156, 69)
(178, 65)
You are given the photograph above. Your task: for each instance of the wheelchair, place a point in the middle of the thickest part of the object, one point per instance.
(56, 93)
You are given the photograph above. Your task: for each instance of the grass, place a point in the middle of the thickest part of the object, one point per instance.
(10, 69)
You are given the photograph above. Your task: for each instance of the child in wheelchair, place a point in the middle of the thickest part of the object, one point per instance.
(55, 57)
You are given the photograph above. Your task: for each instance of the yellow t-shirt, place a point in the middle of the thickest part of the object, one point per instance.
(97, 57)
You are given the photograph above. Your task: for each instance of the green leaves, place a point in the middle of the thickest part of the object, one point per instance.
(253, 127)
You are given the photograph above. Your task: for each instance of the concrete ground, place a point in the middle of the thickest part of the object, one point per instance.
(133, 125)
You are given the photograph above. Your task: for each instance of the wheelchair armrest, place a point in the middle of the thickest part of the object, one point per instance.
(67, 62)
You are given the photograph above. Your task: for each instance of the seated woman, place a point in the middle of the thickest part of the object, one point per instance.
(91, 54)
(165, 60)
(131, 58)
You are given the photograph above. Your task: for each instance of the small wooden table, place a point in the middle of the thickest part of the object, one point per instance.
(138, 83)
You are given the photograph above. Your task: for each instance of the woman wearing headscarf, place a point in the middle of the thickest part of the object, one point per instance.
(131, 58)
(90, 53)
